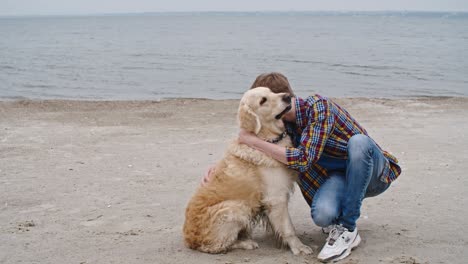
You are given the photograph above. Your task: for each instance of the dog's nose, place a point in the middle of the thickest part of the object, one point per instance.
(287, 98)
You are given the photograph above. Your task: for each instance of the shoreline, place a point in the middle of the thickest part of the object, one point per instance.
(73, 100)
(88, 105)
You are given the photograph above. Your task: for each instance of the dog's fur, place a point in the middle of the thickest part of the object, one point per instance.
(247, 186)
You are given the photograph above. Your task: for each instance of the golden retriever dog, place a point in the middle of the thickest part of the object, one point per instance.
(248, 186)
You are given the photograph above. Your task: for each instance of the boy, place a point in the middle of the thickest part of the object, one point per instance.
(339, 163)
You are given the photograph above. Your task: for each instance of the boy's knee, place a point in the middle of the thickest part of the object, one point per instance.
(359, 143)
(324, 216)
(359, 140)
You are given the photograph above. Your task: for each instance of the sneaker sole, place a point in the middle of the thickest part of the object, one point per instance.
(355, 243)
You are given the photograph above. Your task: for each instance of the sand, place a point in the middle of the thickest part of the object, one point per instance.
(107, 182)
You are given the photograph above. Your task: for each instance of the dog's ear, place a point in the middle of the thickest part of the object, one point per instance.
(248, 120)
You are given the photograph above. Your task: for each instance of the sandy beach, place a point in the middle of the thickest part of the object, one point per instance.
(107, 182)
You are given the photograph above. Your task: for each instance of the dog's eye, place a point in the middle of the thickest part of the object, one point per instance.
(264, 99)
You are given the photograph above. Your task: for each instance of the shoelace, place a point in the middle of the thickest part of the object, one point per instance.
(335, 233)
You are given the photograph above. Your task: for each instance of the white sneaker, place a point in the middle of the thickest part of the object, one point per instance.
(339, 244)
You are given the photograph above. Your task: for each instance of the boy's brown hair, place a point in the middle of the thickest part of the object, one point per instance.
(277, 82)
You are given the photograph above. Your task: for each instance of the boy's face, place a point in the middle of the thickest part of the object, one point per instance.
(290, 116)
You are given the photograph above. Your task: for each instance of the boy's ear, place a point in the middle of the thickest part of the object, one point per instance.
(248, 120)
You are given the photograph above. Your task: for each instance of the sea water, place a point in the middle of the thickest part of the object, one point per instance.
(218, 55)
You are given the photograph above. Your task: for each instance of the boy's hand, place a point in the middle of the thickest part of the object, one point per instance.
(208, 176)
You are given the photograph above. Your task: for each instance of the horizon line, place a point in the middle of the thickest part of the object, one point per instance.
(230, 11)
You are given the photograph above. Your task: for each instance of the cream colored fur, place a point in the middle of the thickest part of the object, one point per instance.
(247, 186)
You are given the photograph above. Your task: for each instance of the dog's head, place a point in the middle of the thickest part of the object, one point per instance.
(261, 109)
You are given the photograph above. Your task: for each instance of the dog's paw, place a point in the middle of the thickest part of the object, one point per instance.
(245, 244)
(250, 244)
(301, 249)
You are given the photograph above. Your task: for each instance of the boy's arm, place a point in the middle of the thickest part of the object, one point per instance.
(272, 150)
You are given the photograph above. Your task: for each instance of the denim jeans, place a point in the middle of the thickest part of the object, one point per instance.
(339, 199)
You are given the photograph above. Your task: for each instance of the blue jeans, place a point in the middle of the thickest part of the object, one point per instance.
(339, 199)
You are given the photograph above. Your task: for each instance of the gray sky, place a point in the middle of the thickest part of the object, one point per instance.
(45, 7)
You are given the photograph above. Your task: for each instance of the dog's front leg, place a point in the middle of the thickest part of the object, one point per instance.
(279, 218)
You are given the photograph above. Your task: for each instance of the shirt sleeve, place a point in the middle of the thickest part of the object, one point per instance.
(313, 138)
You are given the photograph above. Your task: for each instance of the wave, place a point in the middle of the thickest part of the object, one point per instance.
(28, 85)
(371, 67)
(143, 54)
(303, 61)
(365, 74)
(8, 67)
(135, 68)
(343, 65)
(410, 75)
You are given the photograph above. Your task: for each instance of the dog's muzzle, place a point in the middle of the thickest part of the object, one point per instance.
(278, 116)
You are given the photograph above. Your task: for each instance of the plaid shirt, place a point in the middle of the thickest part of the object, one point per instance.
(323, 127)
